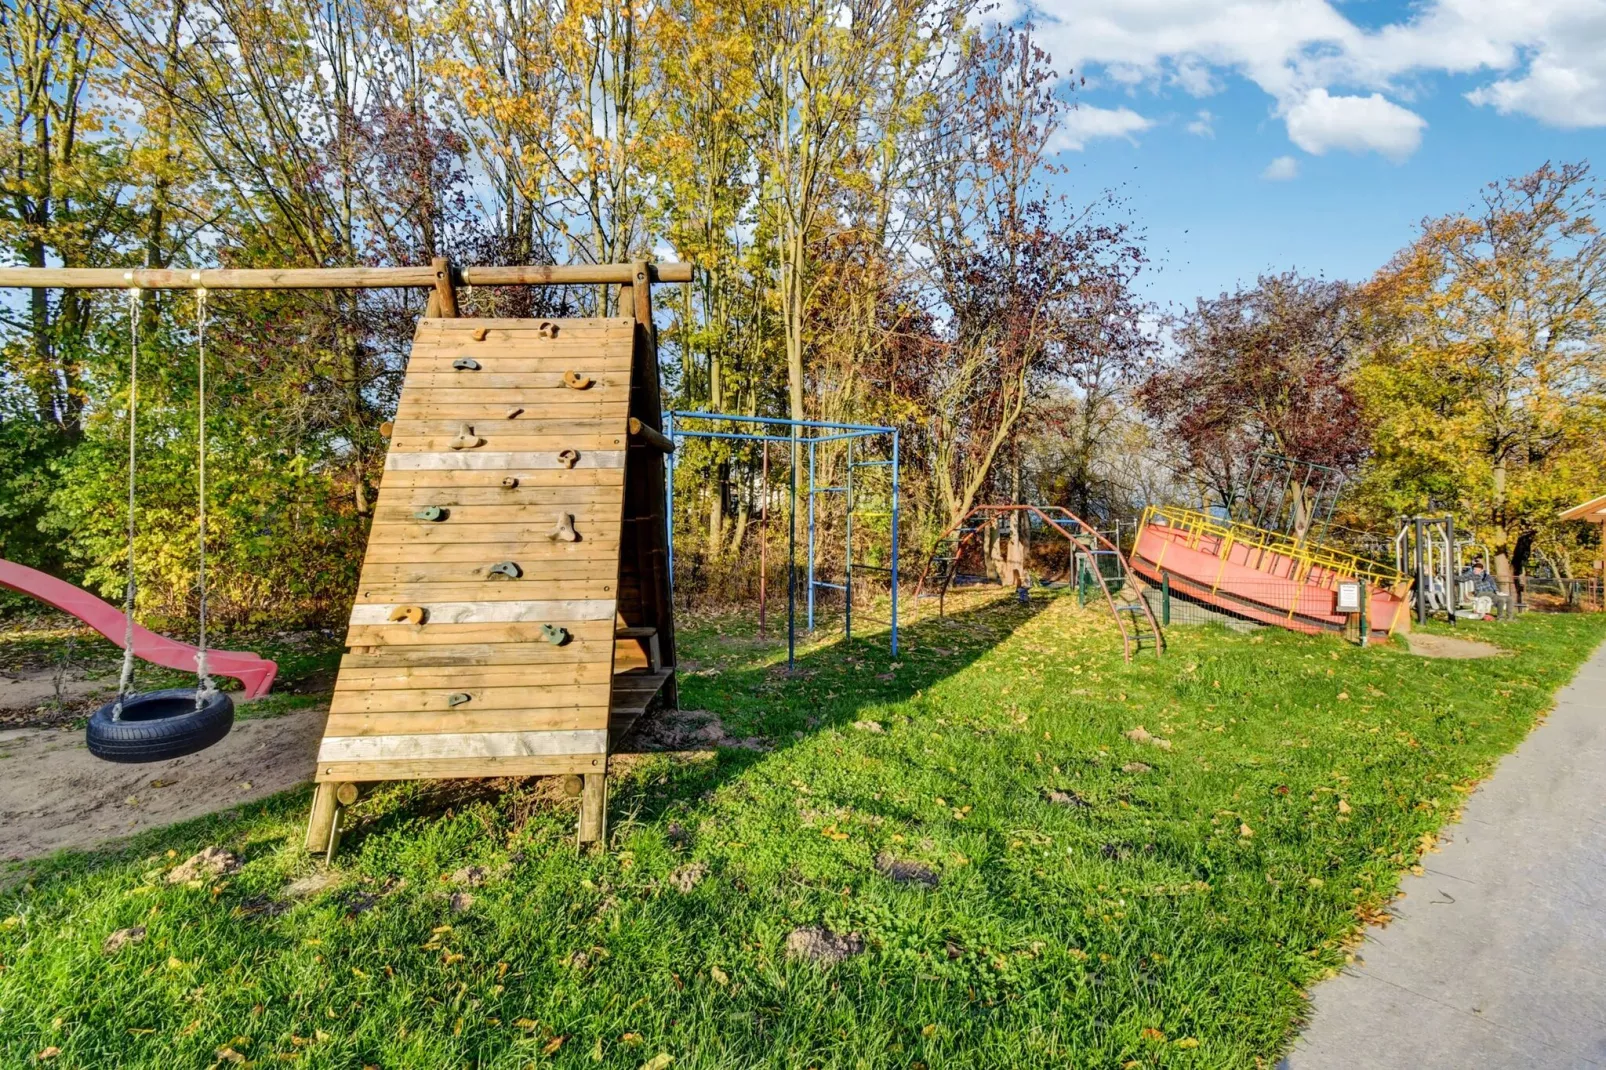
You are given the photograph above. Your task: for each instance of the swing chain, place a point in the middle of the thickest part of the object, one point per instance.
(204, 688)
(125, 681)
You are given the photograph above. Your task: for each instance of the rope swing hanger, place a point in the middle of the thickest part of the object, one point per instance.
(205, 688)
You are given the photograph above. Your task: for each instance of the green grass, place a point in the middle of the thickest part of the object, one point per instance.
(1173, 917)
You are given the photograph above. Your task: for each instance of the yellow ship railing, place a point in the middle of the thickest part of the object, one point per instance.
(1308, 562)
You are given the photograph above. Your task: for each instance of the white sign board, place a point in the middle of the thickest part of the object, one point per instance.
(1349, 597)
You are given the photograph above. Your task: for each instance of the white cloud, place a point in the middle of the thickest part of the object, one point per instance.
(1541, 58)
(1322, 121)
(1557, 89)
(1085, 123)
(1203, 125)
(1282, 169)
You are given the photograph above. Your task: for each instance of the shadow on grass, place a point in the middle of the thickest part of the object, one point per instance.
(765, 707)
(834, 685)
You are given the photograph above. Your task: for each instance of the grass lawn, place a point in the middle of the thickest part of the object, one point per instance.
(1167, 916)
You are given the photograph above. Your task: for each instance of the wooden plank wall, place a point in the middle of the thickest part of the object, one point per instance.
(476, 689)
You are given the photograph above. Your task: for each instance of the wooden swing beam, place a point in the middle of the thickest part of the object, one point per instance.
(348, 278)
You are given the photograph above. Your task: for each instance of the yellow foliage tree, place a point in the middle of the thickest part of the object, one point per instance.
(1486, 371)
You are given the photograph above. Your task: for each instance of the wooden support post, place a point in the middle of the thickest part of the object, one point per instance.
(653, 571)
(432, 307)
(594, 809)
(320, 827)
(445, 290)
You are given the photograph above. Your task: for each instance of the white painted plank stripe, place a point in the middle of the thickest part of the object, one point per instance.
(462, 745)
(478, 460)
(571, 609)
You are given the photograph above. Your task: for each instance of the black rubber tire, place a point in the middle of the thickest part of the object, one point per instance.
(159, 725)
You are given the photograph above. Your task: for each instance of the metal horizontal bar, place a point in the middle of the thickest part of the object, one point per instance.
(832, 586)
(740, 436)
(822, 424)
(871, 568)
(870, 464)
(866, 433)
(825, 490)
(337, 278)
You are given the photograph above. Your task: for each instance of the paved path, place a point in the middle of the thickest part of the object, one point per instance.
(1497, 956)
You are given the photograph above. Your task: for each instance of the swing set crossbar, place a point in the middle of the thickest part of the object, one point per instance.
(339, 278)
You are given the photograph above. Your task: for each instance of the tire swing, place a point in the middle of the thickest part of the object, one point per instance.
(158, 725)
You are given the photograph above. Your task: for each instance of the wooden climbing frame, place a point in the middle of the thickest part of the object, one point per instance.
(513, 616)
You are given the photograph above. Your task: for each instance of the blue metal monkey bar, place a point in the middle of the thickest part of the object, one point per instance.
(799, 433)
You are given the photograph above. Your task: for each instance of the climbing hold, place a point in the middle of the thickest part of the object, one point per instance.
(564, 532)
(480, 333)
(433, 512)
(547, 329)
(510, 569)
(577, 380)
(465, 364)
(513, 413)
(458, 698)
(386, 428)
(569, 458)
(554, 634)
(510, 482)
(408, 614)
(466, 439)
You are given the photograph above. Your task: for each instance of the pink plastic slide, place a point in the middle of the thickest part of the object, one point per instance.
(256, 674)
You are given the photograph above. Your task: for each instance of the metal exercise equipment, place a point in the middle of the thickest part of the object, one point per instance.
(859, 443)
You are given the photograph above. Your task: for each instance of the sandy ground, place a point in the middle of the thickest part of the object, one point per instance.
(54, 794)
(47, 696)
(1426, 645)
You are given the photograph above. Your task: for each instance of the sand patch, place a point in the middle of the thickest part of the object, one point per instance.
(49, 696)
(55, 794)
(1425, 645)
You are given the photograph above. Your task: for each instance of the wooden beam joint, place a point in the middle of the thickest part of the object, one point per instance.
(445, 290)
(651, 436)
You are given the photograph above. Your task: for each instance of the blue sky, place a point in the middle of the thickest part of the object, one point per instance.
(1259, 135)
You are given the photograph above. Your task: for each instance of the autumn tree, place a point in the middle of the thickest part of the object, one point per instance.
(1032, 293)
(1263, 369)
(1487, 377)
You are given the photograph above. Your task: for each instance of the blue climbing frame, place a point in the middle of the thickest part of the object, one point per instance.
(800, 434)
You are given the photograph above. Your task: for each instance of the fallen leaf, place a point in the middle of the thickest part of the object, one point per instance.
(1188, 1042)
(929, 1030)
(658, 1062)
(1343, 807)
(49, 1053)
(1150, 1033)
(1245, 831)
(553, 1045)
(720, 976)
